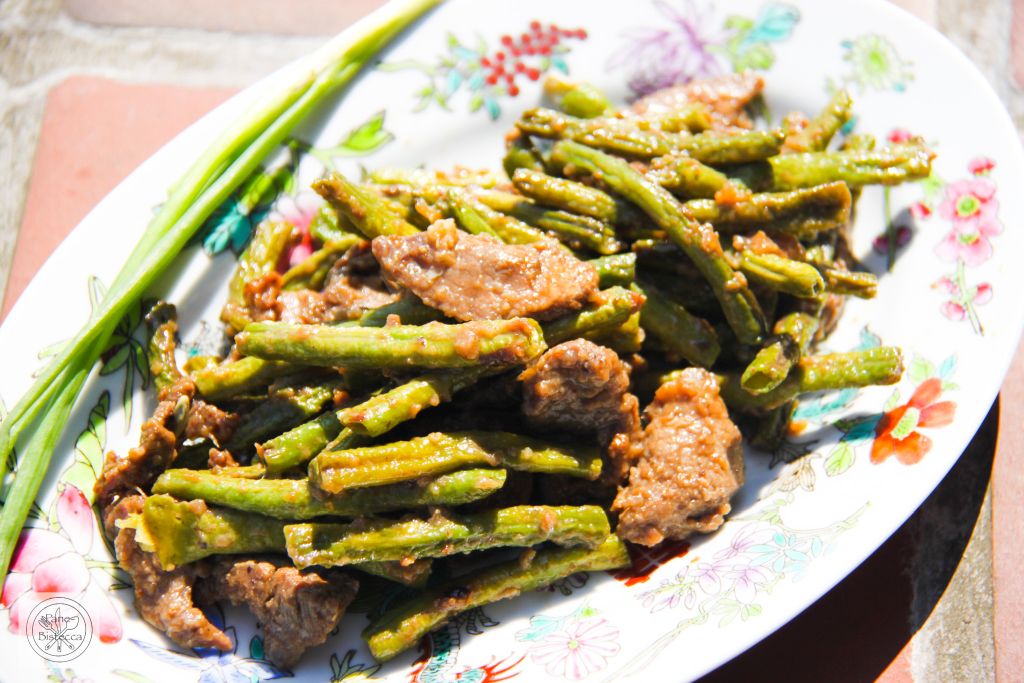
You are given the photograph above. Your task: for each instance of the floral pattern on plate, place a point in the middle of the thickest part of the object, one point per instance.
(737, 582)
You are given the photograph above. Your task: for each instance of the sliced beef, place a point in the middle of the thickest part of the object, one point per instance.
(355, 284)
(692, 464)
(156, 449)
(581, 387)
(178, 414)
(577, 386)
(476, 277)
(164, 598)
(303, 306)
(297, 609)
(726, 96)
(207, 421)
(259, 301)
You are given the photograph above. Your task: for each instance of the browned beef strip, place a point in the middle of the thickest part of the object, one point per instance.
(207, 421)
(303, 306)
(260, 300)
(691, 466)
(178, 413)
(164, 598)
(156, 449)
(476, 277)
(355, 284)
(581, 387)
(297, 609)
(725, 96)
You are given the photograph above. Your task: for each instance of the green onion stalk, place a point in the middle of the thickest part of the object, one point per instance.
(232, 158)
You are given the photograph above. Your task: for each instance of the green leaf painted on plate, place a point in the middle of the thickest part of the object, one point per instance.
(920, 369)
(89, 449)
(116, 361)
(840, 459)
(367, 137)
(892, 402)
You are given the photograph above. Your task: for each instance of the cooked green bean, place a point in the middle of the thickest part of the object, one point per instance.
(162, 320)
(296, 499)
(682, 174)
(403, 625)
(627, 138)
(577, 98)
(259, 259)
(850, 283)
(566, 194)
(372, 417)
(236, 377)
(615, 270)
(802, 213)
(180, 532)
(342, 470)
(435, 345)
(770, 367)
(677, 329)
(886, 166)
(573, 230)
(878, 366)
(698, 240)
(311, 272)
(283, 409)
(785, 275)
(375, 540)
(372, 214)
(822, 128)
(613, 308)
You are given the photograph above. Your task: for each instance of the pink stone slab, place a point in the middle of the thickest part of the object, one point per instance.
(94, 133)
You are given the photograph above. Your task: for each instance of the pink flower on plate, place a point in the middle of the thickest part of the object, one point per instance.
(300, 211)
(980, 165)
(578, 651)
(972, 208)
(47, 564)
(898, 135)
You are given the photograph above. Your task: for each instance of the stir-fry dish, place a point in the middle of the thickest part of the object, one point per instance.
(478, 383)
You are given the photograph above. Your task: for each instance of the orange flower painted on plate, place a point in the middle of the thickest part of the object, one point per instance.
(896, 433)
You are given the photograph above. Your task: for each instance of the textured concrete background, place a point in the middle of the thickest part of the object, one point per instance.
(81, 77)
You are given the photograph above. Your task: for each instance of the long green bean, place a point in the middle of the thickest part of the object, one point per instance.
(698, 240)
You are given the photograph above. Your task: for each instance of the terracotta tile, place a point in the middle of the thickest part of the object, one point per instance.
(1008, 527)
(301, 17)
(899, 670)
(94, 133)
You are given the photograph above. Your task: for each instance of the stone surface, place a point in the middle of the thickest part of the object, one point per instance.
(1008, 529)
(1017, 45)
(94, 133)
(41, 46)
(308, 17)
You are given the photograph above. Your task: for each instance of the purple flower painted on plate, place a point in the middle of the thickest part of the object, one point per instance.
(748, 537)
(677, 53)
(695, 42)
(747, 580)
